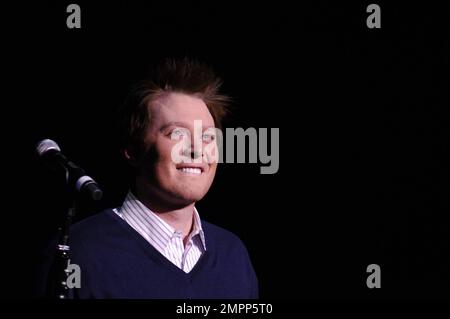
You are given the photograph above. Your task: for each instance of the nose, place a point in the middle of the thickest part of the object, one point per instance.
(193, 147)
(196, 146)
(195, 154)
(192, 153)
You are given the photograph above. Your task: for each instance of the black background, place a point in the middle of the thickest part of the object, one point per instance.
(363, 117)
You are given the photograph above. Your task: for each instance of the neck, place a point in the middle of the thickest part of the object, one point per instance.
(180, 217)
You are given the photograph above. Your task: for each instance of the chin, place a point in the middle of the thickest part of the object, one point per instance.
(191, 197)
(188, 194)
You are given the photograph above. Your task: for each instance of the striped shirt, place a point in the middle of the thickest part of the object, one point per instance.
(163, 237)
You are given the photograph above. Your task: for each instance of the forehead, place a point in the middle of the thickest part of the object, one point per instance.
(179, 107)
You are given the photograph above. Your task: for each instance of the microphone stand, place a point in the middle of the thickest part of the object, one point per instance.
(63, 254)
(61, 289)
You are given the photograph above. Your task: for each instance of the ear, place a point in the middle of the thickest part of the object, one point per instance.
(130, 156)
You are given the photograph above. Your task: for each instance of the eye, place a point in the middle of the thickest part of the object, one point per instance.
(178, 133)
(208, 137)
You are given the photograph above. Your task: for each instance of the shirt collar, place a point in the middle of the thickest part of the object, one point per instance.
(154, 225)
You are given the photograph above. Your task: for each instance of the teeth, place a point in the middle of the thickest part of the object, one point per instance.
(190, 170)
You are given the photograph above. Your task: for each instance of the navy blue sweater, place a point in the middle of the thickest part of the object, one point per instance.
(117, 262)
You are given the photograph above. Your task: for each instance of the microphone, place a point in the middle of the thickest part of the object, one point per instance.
(49, 151)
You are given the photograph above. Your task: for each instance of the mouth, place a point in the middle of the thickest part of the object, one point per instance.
(193, 170)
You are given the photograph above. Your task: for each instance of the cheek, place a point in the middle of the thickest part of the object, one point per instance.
(157, 161)
(211, 153)
(164, 152)
(212, 170)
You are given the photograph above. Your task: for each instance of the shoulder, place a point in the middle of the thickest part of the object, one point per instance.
(95, 224)
(222, 238)
(218, 232)
(96, 231)
(229, 251)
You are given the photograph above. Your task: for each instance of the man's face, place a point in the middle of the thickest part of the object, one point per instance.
(186, 177)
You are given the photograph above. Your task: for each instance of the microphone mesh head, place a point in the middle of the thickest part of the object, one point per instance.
(46, 145)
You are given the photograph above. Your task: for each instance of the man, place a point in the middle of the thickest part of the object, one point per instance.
(156, 245)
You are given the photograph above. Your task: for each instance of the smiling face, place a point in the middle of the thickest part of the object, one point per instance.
(176, 181)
